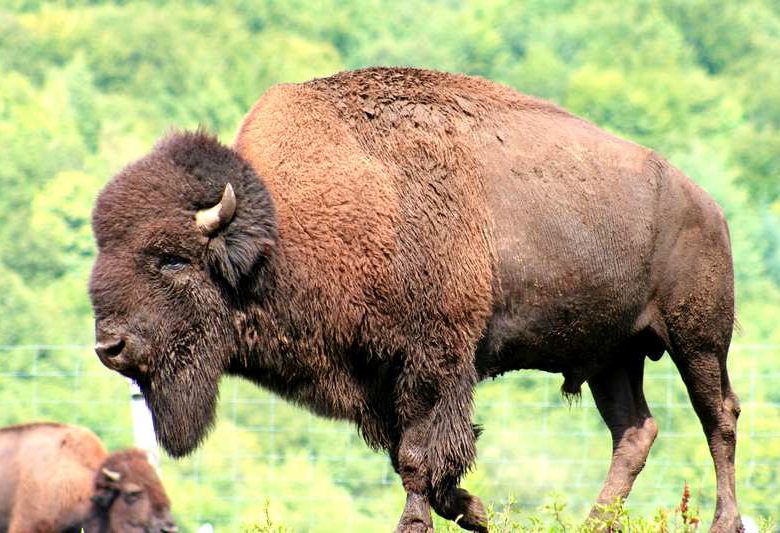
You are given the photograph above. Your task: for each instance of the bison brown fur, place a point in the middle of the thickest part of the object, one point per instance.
(374, 244)
(55, 477)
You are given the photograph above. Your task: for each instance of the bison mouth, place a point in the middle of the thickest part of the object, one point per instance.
(183, 407)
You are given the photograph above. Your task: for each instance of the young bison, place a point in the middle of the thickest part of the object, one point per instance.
(375, 243)
(55, 477)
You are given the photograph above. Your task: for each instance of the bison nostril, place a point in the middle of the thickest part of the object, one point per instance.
(110, 348)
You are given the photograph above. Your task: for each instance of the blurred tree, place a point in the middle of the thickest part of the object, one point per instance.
(88, 85)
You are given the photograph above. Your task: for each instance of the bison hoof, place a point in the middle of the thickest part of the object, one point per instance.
(474, 518)
(465, 510)
(727, 524)
(417, 515)
(413, 526)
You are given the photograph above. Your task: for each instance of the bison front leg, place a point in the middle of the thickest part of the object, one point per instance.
(437, 444)
(416, 517)
(409, 460)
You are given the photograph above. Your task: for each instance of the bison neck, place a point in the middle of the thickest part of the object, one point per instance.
(295, 348)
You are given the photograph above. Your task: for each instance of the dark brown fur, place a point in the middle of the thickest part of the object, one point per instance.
(51, 479)
(400, 235)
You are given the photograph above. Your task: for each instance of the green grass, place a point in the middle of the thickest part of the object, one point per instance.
(552, 517)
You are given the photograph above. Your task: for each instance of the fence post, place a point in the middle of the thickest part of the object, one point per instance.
(143, 428)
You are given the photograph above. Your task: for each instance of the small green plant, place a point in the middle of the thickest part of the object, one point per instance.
(608, 517)
(661, 521)
(767, 525)
(503, 520)
(555, 510)
(268, 525)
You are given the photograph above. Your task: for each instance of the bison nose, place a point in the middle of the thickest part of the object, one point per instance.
(109, 348)
(169, 528)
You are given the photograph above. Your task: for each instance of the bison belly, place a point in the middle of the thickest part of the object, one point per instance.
(574, 228)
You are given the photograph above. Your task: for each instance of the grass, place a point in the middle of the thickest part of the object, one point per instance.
(552, 518)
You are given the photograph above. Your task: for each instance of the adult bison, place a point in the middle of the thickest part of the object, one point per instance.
(375, 243)
(55, 477)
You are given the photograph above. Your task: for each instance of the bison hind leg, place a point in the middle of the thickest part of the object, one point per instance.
(698, 311)
(700, 358)
(619, 396)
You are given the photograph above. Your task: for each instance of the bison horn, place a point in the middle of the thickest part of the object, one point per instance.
(111, 474)
(216, 217)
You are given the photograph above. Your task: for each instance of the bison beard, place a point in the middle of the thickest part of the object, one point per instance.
(183, 406)
(398, 235)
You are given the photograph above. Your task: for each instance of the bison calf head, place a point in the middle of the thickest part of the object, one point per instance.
(129, 496)
(181, 234)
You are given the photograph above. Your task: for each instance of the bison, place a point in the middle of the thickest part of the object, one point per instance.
(374, 244)
(55, 477)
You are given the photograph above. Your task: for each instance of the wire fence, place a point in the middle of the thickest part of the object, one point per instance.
(267, 454)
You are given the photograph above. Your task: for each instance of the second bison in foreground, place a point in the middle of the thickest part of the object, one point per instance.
(374, 244)
(55, 477)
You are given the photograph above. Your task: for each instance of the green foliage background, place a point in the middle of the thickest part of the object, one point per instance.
(87, 86)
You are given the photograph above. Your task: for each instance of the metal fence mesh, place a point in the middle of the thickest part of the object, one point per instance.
(264, 452)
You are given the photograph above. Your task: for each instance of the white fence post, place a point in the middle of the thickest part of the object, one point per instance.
(143, 428)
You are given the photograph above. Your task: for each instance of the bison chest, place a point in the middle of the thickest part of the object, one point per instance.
(347, 385)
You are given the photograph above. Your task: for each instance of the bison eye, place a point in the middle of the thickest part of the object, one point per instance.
(172, 263)
(132, 497)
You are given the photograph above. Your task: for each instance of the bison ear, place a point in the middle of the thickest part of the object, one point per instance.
(106, 488)
(241, 232)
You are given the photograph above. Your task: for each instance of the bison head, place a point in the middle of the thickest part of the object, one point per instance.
(182, 237)
(129, 496)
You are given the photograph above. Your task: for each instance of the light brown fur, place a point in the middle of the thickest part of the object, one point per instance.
(49, 474)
